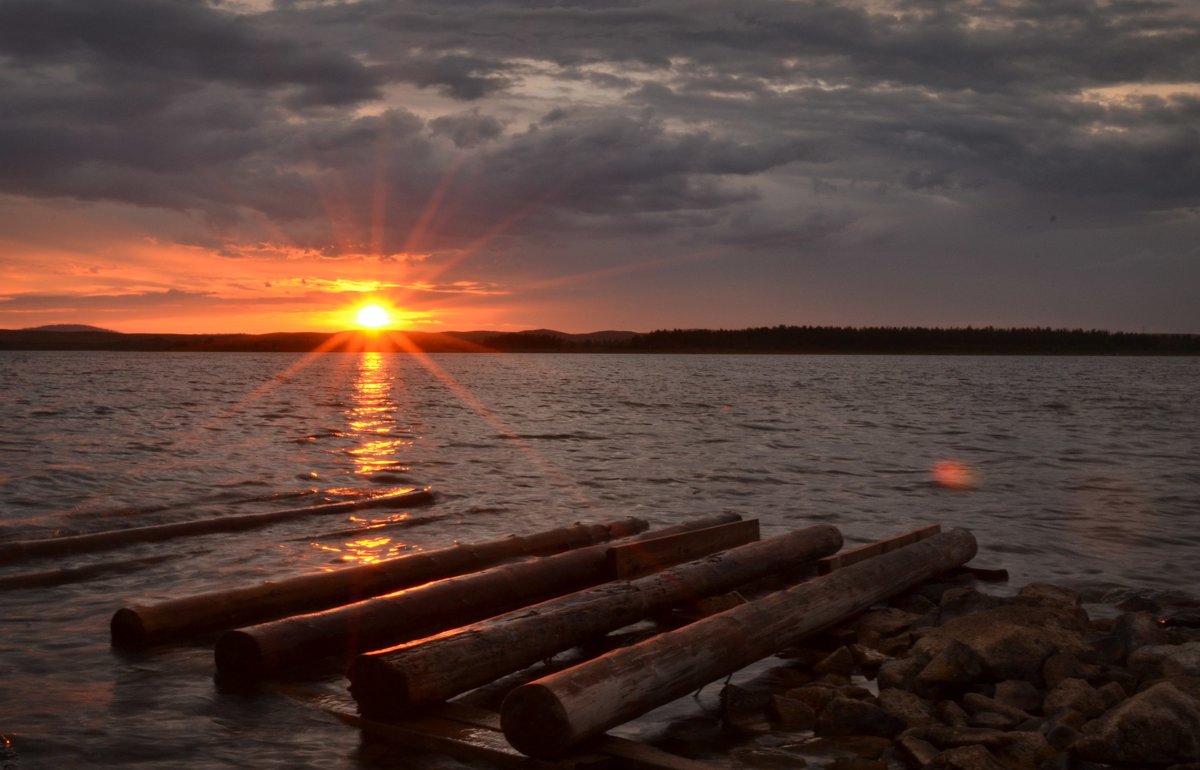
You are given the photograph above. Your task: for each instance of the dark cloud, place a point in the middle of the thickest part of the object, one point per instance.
(801, 125)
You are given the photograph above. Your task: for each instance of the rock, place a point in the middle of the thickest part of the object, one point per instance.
(965, 758)
(1064, 665)
(856, 693)
(1132, 631)
(840, 661)
(1013, 641)
(916, 749)
(1059, 733)
(885, 622)
(1076, 695)
(867, 659)
(814, 696)
(855, 763)
(1057, 598)
(915, 603)
(768, 758)
(738, 702)
(792, 714)
(844, 716)
(1112, 693)
(901, 673)
(1018, 694)
(1158, 726)
(1024, 750)
(953, 714)
(1166, 661)
(975, 703)
(908, 707)
(957, 602)
(955, 664)
(993, 720)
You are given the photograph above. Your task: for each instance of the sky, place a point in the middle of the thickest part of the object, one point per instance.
(252, 166)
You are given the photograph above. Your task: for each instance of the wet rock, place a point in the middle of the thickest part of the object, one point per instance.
(1075, 695)
(901, 673)
(1020, 695)
(993, 720)
(1064, 600)
(1166, 661)
(1158, 726)
(908, 707)
(856, 693)
(844, 716)
(868, 660)
(1059, 732)
(1024, 750)
(792, 714)
(915, 603)
(965, 758)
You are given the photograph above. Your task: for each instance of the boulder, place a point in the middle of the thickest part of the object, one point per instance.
(815, 697)
(1014, 641)
(1132, 631)
(1065, 665)
(1158, 726)
(954, 664)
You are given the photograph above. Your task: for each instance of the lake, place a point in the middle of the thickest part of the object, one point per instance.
(1079, 471)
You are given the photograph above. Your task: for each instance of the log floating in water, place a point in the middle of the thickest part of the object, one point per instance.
(425, 671)
(549, 716)
(101, 541)
(260, 651)
(138, 626)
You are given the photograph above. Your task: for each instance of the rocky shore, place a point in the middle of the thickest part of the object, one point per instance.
(950, 678)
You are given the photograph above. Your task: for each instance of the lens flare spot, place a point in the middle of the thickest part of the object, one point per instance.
(955, 474)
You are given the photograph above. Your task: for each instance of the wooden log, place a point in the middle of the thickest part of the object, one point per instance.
(873, 549)
(632, 560)
(393, 681)
(549, 716)
(63, 575)
(260, 651)
(117, 538)
(142, 625)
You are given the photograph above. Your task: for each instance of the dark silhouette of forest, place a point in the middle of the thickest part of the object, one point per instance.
(765, 339)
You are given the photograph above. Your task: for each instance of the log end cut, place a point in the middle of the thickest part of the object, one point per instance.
(239, 657)
(381, 691)
(127, 628)
(536, 723)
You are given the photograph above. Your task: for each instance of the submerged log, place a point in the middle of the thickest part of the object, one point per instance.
(549, 716)
(392, 681)
(260, 651)
(102, 541)
(138, 626)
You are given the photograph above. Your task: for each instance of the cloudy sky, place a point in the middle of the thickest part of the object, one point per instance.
(239, 165)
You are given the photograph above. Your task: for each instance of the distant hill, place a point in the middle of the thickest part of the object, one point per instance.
(69, 328)
(775, 339)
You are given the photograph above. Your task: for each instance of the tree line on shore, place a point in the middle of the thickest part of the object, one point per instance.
(766, 339)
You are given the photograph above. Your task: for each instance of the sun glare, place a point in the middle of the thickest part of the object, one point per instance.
(373, 317)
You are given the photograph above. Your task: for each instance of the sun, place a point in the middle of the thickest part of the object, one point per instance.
(373, 317)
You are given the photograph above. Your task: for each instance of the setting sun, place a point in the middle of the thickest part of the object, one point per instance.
(373, 317)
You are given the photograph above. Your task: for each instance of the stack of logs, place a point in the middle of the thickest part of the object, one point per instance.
(420, 629)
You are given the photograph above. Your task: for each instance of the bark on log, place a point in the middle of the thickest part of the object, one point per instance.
(632, 560)
(102, 541)
(549, 716)
(393, 681)
(253, 653)
(138, 626)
